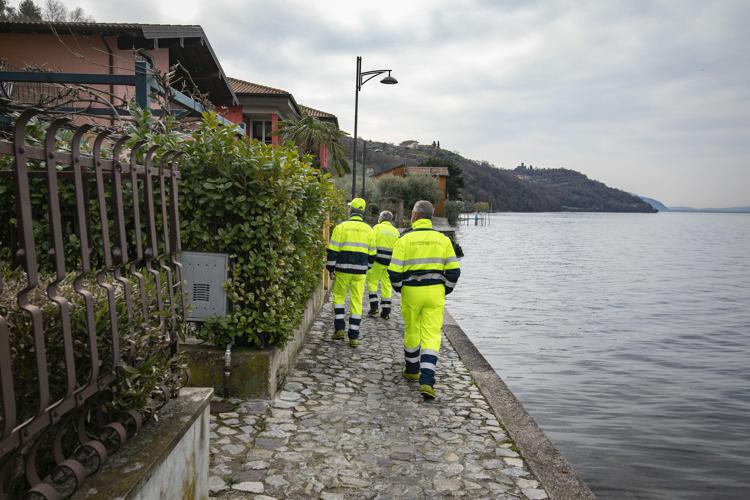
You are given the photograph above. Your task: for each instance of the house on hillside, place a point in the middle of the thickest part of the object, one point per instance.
(410, 144)
(260, 108)
(110, 50)
(439, 173)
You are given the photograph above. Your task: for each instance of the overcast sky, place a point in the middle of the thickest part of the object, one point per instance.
(649, 97)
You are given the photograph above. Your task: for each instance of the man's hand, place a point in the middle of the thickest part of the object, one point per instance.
(332, 275)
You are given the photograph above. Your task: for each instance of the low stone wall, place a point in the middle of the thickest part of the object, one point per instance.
(254, 373)
(167, 459)
(549, 466)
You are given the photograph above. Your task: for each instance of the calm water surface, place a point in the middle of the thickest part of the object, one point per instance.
(627, 337)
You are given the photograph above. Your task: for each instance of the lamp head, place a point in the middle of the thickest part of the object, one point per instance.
(389, 80)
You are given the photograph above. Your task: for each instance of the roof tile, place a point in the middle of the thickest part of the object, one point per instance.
(243, 87)
(316, 113)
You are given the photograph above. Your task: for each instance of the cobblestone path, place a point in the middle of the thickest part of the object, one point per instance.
(348, 426)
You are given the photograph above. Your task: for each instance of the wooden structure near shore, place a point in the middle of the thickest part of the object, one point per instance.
(476, 219)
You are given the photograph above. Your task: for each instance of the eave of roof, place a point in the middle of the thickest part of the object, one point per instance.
(387, 170)
(244, 88)
(158, 35)
(321, 115)
(443, 170)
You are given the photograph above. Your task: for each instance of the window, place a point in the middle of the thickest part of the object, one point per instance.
(262, 131)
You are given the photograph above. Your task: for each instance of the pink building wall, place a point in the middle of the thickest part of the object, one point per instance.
(76, 54)
(275, 140)
(232, 113)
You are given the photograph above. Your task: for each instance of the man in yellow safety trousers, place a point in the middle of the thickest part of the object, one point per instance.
(424, 268)
(351, 252)
(385, 237)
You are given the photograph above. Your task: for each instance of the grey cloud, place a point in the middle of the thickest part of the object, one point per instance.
(631, 92)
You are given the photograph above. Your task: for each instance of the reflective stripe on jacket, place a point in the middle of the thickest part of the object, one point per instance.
(352, 247)
(424, 257)
(385, 237)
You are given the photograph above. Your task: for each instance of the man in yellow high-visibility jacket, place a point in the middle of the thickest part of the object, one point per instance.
(385, 237)
(424, 268)
(351, 252)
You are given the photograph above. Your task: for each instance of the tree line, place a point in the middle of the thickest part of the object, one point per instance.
(50, 10)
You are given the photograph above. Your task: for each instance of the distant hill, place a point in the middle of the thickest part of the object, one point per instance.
(663, 208)
(524, 189)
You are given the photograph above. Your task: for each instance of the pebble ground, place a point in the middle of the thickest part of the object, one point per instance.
(347, 425)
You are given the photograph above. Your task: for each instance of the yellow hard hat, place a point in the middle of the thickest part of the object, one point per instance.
(358, 204)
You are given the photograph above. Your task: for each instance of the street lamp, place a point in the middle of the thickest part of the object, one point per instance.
(361, 80)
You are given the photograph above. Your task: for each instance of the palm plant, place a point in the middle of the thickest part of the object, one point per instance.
(309, 134)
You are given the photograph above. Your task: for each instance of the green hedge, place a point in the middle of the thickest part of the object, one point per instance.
(265, 207)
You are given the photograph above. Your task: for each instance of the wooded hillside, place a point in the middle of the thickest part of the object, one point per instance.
(523, 189)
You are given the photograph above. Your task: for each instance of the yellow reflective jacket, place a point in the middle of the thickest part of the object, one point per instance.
(424, 257)
(385, 237)
(352, 247)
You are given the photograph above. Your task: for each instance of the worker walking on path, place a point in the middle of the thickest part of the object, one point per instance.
(385, 237)
(424, 268)
(351, 252)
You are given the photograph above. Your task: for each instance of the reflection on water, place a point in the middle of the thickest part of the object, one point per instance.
(627, 337)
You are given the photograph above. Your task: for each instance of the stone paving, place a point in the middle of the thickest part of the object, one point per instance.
(347, 425)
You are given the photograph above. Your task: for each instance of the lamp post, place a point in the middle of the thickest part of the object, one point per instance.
(362, 78)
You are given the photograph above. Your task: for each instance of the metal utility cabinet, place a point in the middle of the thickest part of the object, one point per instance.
(205, 274)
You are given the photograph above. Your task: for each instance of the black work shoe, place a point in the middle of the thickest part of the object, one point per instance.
(385, 315)
(373, 312)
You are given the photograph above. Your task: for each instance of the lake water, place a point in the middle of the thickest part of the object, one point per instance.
(627, 338)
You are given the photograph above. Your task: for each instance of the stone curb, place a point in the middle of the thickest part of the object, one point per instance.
(549, 466)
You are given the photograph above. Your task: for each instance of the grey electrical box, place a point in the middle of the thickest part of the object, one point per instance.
(205, 275)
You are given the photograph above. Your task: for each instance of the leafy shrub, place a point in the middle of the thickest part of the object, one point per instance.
(408, 189)
(453, 210)
(481, 206)
(391, 187)
(265, 207)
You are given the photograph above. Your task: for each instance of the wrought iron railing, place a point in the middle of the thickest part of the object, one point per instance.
(92, 268)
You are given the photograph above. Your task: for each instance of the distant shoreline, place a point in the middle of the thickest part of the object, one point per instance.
(739, 210)
(694, 211)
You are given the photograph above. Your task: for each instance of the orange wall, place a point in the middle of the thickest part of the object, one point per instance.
(75, 54)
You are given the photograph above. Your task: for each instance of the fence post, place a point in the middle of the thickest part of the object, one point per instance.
(142, 77)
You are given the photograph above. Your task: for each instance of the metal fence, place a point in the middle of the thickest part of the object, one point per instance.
(92, 265)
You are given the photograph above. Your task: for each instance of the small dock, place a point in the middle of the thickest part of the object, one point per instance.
(474, 219)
